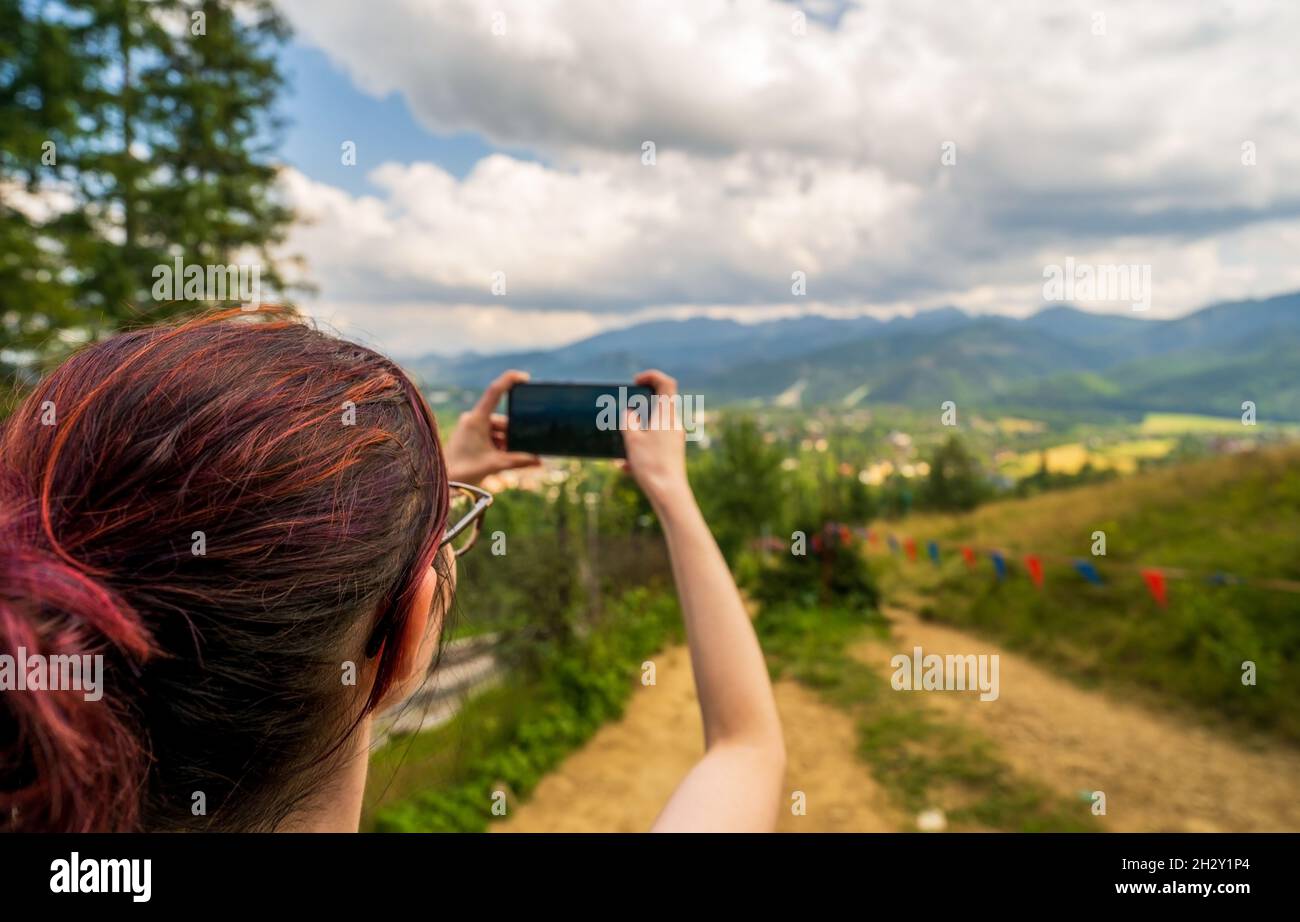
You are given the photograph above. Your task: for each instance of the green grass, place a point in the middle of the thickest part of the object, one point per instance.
(921, 761)
(1235, 514)
(509, 737)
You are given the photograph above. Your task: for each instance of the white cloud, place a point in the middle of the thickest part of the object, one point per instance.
(819, 152)
(609, 235)
(416, 328)
(1025, 86)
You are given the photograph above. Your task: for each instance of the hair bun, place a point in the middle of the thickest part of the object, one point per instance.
(73, 759)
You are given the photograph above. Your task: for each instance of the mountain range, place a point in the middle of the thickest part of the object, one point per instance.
(1060, 359)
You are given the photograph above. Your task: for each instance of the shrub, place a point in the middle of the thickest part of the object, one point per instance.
(833, 571)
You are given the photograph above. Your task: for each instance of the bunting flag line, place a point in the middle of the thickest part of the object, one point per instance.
(1088, 572)
(1155, 581)
(1034, 565)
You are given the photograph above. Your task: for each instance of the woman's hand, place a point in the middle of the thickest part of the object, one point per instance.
(656, 456)
(477, 447)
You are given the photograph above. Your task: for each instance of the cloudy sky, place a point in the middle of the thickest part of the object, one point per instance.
(505, 139)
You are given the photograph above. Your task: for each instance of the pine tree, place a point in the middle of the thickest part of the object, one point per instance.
(38, 79)
(739, 482)
(956, 481)
(161, 118)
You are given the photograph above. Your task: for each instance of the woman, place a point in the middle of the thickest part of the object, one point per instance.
(248, 521)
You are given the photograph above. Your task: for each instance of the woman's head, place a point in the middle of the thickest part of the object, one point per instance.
(234, 513)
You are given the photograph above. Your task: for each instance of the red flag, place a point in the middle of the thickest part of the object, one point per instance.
(1035, 567)
(1156, 583)
(817, 544)
(910, 546)
(873, 537)
(968, 555)
(846, 537)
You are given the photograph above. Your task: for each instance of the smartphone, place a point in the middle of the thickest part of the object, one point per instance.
(574, 420)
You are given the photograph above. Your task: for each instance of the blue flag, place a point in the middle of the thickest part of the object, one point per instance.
(1088, 572)
(933, 548)
(893, 545)
(999, 564)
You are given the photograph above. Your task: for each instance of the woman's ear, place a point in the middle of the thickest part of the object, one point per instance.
(417, 638)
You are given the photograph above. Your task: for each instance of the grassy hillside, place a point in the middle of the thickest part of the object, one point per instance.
(1235, 514)
(1210, 381)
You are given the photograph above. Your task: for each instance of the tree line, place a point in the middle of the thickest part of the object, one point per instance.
(132, 135)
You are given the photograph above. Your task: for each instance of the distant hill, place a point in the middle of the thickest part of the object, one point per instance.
(1061, 359)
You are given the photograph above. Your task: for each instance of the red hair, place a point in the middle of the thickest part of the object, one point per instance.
(226, 510)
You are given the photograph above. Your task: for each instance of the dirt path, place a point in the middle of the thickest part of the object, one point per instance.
(1158, 774)
(619, 781)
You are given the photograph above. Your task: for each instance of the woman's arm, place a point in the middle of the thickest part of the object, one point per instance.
(736, 786)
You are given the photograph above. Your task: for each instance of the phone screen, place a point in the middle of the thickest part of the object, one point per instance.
(576, 420)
